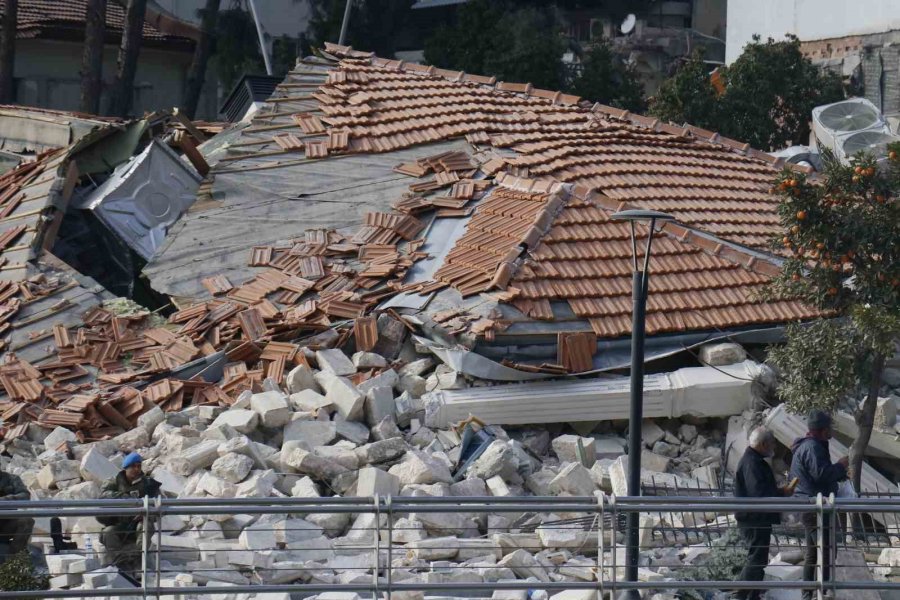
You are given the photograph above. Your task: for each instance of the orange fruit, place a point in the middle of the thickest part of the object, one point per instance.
(858, 170)
(832, 291)
(795, 277)
(892, 155)
(801, 214)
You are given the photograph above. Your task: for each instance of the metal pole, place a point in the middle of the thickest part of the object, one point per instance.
(820, 535)
(345, 23)
(635, 442)
(262, 38)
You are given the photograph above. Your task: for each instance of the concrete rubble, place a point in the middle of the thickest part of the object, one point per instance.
(349, 425)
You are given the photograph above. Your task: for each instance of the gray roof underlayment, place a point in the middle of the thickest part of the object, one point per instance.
(258, 198)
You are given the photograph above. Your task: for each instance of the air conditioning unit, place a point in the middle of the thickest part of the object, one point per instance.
(851, 126)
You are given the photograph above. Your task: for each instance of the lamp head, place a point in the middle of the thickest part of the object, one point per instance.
(637, 214)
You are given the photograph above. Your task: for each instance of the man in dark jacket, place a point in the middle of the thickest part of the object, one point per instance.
(122, 535)
(14, 532)
(754, 479)
(816, 473)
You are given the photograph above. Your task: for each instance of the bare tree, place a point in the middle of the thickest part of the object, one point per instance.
(123, 88)
(202, 52)
(8, 51)
(92, 59)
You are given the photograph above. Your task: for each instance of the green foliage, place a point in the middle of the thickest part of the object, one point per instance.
(18, 574)
(820, 364)
(608, 80)
(465, 44)
(527, 47)
(374, 24)
(724, 563)
(688, 97)
(840, 234)
(493, 38)
(237, 47)
(769, 94)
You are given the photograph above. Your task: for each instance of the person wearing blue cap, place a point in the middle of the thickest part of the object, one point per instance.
(121, 536)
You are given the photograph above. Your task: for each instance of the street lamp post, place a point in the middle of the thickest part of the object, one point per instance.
(639, 282)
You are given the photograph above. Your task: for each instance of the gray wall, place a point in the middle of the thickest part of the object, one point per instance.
(48, 75)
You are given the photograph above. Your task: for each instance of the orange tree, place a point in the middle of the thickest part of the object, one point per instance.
(842, 242)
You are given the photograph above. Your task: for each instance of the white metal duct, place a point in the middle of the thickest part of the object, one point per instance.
(144, 197)
(700, 391)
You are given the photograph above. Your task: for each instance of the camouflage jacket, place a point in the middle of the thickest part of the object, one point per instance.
(12, 487)
(120, 487)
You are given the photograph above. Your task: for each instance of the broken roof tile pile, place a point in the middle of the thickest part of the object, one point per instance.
(111, 368)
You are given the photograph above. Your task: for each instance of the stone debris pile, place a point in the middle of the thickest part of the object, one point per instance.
(355, 425)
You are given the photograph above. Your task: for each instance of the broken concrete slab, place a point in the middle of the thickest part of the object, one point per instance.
(241, 420)
(566, 449)
(699, 391)
(348, 400)
(272, 408)
(335, 361)
(720, 354)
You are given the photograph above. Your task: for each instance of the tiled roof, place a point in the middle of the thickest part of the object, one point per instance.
(706, 181)
(585, 260)
(37, 15)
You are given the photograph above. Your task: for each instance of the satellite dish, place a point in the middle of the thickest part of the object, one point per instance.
(628, 24)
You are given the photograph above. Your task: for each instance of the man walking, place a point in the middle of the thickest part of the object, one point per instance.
(14, 532)
(754, 479)
(121, 536)
(816, 473)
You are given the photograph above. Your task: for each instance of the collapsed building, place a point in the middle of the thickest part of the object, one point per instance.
(382, 251)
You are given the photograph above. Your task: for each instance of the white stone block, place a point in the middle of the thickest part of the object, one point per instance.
(310, 401)
(302, 378)
(373, 481)
(272, 408)
(419, 467)
(717, 355)
(57, 437)
(573, 480)
(305, 488)
(311, 433)
(232, 467)
(433, 548)
(96, 467)
(348, 400)
(368, 360)
(566, 449)
(335, 361)
(242, 420)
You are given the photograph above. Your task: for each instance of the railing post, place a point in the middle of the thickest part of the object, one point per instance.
(158, 544)
(612, 542)
(377, 544)
(390, 565)
(145, 544)
(832, 542)
(820, 555)
(601, 530)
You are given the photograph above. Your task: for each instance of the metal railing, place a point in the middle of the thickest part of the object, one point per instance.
(573, 543)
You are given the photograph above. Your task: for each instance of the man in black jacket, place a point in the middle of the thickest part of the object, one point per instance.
(754, 479)
(812, 466)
